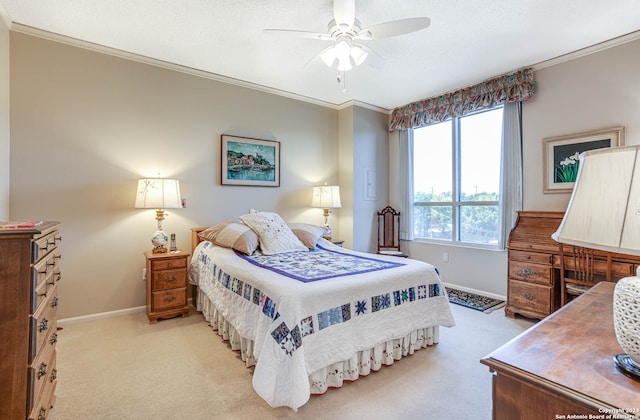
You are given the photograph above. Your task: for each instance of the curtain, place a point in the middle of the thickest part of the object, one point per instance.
(513, 87)
(405, 199)
(510, 169)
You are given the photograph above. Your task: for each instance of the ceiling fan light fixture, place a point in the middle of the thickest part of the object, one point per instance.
(342, 50)
(329, 56)
(358, 54)
(344, 64)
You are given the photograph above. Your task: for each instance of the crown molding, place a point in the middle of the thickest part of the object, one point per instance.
(63, 39)
(633, 36)
(363, 105)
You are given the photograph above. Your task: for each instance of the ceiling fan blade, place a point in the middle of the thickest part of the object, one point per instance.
(394, 28)
(344, 12)
(303, 34)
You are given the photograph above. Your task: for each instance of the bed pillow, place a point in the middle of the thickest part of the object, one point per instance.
(308, 234)
(275, 236)
(230, 234)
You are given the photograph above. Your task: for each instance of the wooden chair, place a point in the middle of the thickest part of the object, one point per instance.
(389, 232)
(578, 271)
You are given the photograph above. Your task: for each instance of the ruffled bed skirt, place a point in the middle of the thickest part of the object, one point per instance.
(360, 364)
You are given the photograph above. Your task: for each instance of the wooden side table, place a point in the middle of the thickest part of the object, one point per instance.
(166, 285)
(338, 242)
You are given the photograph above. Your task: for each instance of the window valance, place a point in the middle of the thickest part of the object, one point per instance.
(513, 87)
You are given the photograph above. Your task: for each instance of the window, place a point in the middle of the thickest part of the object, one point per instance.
(456, 179)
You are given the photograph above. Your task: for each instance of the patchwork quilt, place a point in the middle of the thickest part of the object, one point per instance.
(307, 310)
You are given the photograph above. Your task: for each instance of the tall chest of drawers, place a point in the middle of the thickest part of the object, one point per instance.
(29, 272)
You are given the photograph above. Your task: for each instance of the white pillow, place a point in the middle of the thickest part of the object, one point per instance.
(307, 233)
(275, 236)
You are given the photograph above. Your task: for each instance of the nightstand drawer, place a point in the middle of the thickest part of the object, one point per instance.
(169, 279)
(530, 273)
(168, 264)
(168, 299)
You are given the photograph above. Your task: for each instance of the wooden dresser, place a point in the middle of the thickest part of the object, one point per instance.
(563, 366)
(29, 272)
(533, 288)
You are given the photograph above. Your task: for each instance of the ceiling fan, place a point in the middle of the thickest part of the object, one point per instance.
(344, 30)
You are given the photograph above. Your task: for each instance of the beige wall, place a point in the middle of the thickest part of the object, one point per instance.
(595, 91)
(4, 116)
(86, 125)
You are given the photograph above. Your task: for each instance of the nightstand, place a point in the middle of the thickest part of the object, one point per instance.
(166, 285)
(338, 242)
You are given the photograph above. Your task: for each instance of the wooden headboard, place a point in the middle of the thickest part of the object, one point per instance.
(195, 239)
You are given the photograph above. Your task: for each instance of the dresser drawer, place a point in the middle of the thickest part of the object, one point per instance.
(168, 264)
(42, 276)
(169, 299)
(45, 244)
(169, 279)
(41, 371)
(43, 402)
(532, 297)
(531, 273)
(43, 324)
(533, 257)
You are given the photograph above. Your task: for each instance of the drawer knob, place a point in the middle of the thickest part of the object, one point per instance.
(44, 325)
(54, 375)
(42, 371)
(42, 414)
(54, 302)
(170, 298)
(527, 272)
(54, 338)
(529, 296)
(170, 278)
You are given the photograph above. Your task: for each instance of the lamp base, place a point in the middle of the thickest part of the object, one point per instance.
(625, 365)
(159, 250)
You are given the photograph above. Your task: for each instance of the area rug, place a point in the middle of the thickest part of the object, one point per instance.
(473, 301)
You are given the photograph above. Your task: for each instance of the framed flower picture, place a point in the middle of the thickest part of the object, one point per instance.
(247, 161)
(560, 155)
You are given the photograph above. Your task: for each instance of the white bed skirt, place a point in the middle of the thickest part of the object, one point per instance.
(360, 364)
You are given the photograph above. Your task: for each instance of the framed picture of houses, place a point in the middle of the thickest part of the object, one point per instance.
(247, 161)
(560, 155)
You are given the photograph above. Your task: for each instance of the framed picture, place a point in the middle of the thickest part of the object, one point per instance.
(560, 155)
(248, 161)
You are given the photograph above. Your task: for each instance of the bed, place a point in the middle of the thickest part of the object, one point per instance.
(314, 316)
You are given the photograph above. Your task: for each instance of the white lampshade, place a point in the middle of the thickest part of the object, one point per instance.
(604, 210)
(604, 214)
(158, 193)
(326, 197)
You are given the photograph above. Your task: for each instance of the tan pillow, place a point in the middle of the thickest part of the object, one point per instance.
(308, 234)
(230, 234)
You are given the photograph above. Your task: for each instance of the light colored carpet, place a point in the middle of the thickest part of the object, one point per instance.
(125, 368)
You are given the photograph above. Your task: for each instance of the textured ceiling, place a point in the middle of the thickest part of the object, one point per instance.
(468, 40)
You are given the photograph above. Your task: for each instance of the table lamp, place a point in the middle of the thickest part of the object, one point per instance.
(159, 194)
(604, 214)
(326, 197)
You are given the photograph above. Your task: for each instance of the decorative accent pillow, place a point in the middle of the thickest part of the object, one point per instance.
(308, 234)
(230, 234)
(275, 236)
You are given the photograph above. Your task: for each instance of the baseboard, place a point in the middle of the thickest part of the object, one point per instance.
(104, 315)
(475, 291)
